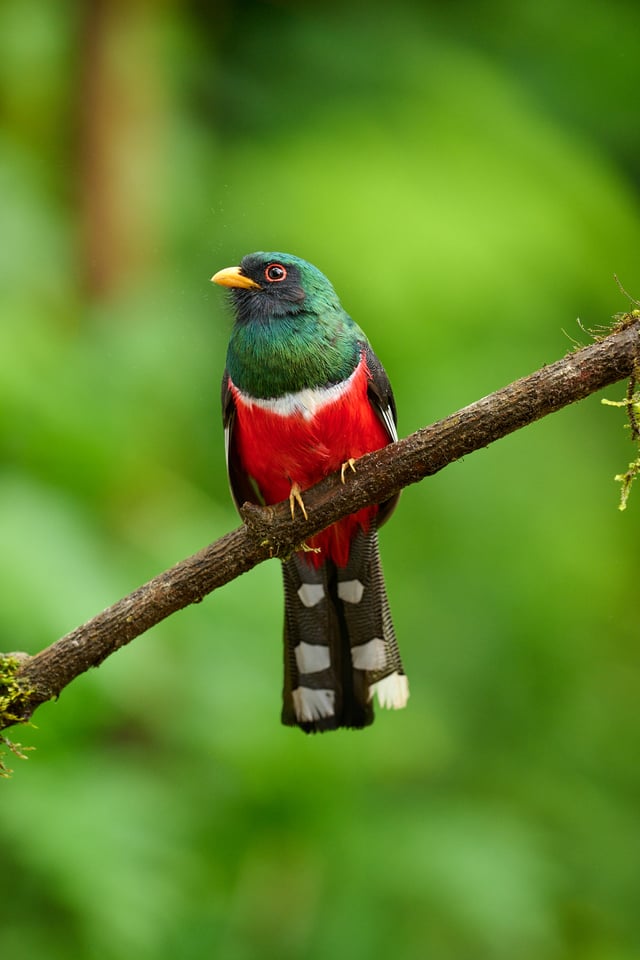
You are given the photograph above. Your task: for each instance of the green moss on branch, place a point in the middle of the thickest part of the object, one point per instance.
(14, 693)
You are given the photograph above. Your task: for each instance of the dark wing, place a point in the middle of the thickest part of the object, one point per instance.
(242, 488)
(382, 400)
(381, 394)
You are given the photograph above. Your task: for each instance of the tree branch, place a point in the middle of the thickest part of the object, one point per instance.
(269, 531)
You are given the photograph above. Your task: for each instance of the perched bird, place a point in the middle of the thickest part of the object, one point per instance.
(304, 395)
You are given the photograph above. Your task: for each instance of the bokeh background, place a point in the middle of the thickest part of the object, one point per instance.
(467, 175)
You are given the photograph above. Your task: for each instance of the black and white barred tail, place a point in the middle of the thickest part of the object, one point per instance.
(340, 645)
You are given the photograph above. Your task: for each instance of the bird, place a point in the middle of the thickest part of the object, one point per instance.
(303, 396)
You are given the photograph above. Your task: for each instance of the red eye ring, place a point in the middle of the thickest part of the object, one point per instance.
(275, 273)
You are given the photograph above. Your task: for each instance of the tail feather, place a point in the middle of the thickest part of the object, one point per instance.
(340, 645)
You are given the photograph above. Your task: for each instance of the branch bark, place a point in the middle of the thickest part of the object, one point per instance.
(270, 531)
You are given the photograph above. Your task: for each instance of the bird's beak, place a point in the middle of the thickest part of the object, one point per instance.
(231, 277)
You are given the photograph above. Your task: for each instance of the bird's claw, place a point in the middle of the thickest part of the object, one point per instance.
(348, 463)
(295, 496)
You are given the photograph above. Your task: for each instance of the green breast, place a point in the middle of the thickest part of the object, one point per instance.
(287, 354)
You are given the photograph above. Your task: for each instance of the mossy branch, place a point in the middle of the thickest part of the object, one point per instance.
(632, 406)
(270, 531)
(13, 693)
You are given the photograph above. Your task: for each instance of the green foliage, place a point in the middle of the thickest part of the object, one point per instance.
(466, 176)
(12, 693)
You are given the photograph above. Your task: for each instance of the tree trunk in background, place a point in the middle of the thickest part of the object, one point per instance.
(121, 107)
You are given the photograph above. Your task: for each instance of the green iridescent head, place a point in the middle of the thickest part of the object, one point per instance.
(268, 285)
(291, 331)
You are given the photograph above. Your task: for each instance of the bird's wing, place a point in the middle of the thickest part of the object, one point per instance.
(381, 394)
(240, 483)
(382, 400)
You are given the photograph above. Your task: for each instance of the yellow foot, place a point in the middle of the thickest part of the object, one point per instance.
(348, 463)
(296, 497)
(307, 549)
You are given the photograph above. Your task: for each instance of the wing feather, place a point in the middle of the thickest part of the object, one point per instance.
(242, 488)
(383, 402)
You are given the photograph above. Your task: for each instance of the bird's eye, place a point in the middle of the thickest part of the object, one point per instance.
(275, 273)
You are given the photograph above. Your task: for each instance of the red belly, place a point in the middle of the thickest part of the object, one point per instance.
(280, 450)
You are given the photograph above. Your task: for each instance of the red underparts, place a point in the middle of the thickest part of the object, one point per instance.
(278, 450)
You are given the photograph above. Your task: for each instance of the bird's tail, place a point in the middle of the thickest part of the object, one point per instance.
(340, 645)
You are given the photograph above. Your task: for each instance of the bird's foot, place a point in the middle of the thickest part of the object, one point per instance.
(306, 548)
(348, 463)
(295, 496)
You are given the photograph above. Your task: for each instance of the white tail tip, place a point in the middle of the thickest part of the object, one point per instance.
(311, 705)
(392, 691)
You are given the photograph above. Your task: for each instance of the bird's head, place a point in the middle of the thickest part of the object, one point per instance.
(270, 285)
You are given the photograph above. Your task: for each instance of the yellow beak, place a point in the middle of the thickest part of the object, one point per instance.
(231, 277)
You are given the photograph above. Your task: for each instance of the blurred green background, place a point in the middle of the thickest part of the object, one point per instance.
(467, 175)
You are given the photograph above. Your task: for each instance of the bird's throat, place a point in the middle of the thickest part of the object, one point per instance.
(288, 355)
